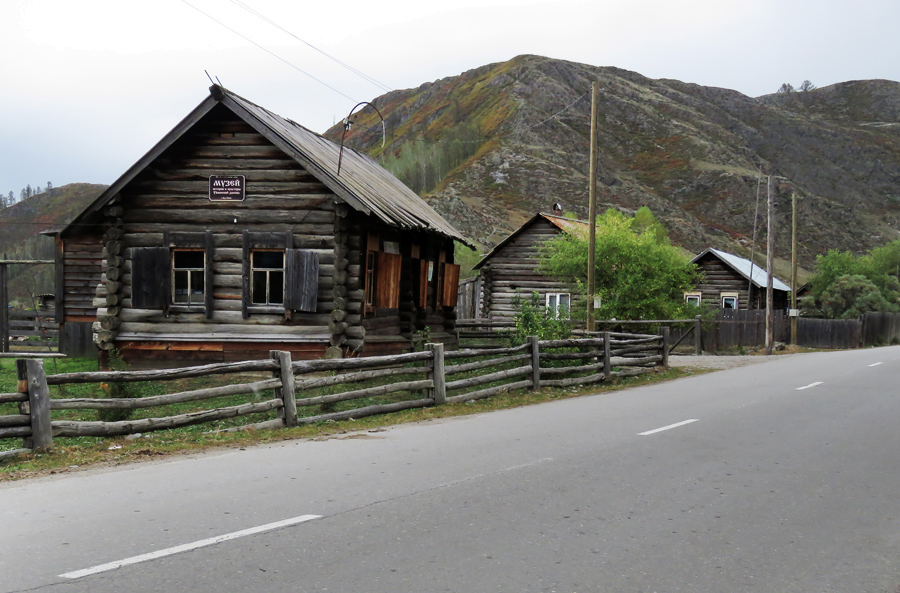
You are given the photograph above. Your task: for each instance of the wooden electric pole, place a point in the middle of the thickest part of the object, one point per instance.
(794, 311)
(770, 264)
(592, 208)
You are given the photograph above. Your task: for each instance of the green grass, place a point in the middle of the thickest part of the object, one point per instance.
(72, 454)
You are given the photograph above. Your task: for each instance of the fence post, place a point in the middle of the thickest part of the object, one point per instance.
(286, 392)
(439, 391)
(39, 404)
(698, 327)
(607, 358)
(665, 347)
(535, 362)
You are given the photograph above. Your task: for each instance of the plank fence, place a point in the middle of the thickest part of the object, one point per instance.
(29, 330)
(414, 380)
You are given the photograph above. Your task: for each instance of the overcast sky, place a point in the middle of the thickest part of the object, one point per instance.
(88, 87)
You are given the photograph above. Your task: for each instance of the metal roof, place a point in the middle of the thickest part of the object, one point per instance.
(363, 184)
(745, 268)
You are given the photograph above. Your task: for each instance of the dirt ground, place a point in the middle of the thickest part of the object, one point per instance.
(717, 362)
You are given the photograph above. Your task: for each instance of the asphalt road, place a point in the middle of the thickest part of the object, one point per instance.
(781, 476)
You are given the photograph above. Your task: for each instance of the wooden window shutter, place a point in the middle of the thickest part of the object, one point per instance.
(451, 285)
(150, 278)
(387, 285)
(301, 270)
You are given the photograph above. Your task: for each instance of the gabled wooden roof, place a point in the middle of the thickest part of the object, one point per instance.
(363, 184)
(566, 225)
(744, 267)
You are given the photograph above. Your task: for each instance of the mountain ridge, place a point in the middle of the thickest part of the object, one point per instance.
(691, 153)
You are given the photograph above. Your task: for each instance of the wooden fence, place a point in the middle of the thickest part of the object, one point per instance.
(469, 298)
(417, 379)
(484, 333)
(30, 330)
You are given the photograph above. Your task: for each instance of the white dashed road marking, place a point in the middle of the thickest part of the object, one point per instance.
(186, 547)
(810, 385)
(676, 425)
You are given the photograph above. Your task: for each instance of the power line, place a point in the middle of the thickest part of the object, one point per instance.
(268, 51)
(359, 73)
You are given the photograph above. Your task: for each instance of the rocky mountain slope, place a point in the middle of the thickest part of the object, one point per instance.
(494, 145)
(21, 225)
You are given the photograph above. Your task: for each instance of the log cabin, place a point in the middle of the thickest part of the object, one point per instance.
(732, 282)
(242, 232)
(511, 268)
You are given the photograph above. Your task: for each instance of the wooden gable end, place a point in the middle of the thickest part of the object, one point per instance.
(169, 200)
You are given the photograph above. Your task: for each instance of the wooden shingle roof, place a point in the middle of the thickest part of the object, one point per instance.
(363, 184)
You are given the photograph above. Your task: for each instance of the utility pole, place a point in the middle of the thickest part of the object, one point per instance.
(794, 311)
(770, 264)
(592, 208)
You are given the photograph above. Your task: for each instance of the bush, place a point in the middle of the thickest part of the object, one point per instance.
(533, 319)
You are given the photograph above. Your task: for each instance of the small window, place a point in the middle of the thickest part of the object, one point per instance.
(729, 300)
(267, 273)
(693, 298)
(558, 304)
(188, 277)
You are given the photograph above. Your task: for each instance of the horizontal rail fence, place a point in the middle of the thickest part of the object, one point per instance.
(685, 333)
(484, 333)
(413, 380)
(32, 329)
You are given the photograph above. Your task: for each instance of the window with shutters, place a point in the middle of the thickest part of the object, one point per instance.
(266, 277)
(176, 276)
(277, 277)
(188, 277)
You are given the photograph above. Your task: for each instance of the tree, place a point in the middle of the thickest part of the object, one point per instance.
(851, 295)
(786, 88)
(49, 186)
(830, 289)
(807, 86)
(639, 274)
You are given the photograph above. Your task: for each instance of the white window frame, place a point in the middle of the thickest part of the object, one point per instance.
(729, 296)
(556, 297)
(693, 297)
(193, 300)
(268, 272)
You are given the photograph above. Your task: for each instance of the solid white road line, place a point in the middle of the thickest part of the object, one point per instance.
(186, 547)
(876, 364)
(676, 425)
(810, 385)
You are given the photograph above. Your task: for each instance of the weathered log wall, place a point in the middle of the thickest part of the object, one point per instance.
(513, 271)
(170, 198)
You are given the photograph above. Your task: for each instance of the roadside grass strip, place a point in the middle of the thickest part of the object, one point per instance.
(669, 427)
(810, 385)
(187, 547)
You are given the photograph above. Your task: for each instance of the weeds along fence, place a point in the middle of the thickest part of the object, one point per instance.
(307, 392)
